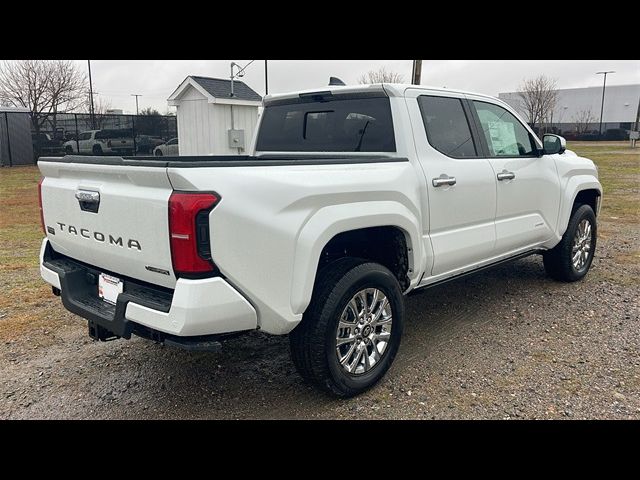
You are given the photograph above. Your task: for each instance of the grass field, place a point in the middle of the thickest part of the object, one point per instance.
(24, 297)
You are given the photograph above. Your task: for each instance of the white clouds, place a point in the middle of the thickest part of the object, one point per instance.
(156, 79)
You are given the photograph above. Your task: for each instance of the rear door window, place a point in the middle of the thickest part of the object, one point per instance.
(333, 125)
(447, 126)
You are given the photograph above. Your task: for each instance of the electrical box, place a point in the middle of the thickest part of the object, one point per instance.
(236, 138)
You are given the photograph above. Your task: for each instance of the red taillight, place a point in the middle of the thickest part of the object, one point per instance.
(40, 205)
(189, 232)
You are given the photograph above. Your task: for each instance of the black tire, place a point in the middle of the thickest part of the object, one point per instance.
(68, 150)
(158, 153)
(313, 341)
(558, 261)
(97, 150)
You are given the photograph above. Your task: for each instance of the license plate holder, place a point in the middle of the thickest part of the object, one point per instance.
(109, 287)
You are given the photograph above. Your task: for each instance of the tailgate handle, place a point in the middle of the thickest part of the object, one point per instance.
(89, 201)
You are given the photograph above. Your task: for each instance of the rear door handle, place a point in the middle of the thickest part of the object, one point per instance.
(506, 175)
(443, 179)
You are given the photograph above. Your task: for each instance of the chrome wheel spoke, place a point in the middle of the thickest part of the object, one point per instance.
(356, 360)
(383, 336)
(345, 358)
(374, 299)
(344, 341)
(363, 300)
(367, 362)
(383, 304)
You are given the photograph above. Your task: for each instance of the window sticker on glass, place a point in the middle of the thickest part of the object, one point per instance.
(503, 138)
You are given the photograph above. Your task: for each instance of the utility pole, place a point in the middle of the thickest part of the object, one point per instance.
(604, 86)
(93, 123)
(416, 73)
(266, 79)
(136, 95)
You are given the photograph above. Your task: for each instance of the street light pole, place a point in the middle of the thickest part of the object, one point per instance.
(266, 79)
(136, 95)
(604, 86)
(93, 126)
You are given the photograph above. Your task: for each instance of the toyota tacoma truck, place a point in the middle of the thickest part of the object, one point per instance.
(350, 198)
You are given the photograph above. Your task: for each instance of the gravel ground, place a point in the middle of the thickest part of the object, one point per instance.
(505, 343)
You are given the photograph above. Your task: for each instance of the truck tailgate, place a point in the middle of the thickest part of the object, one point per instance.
(128, 234)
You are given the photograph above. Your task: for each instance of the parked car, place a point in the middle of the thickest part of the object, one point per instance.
(99, 142)
(145, 144)
(170, 148)
(350, 198)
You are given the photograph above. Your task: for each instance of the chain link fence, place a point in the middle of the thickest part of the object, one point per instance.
(25, 138)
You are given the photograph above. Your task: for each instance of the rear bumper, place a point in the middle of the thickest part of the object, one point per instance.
(206, 306)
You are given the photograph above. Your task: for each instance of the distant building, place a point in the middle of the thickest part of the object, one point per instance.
(114, 111)
(210, 120)
(574, 105)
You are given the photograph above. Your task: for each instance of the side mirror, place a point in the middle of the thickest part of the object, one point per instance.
(553, 144)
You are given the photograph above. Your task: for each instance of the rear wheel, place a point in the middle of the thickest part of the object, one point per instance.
(68, 150)
(351, 332)
(571, 259)
(97, 150)
(158, 153)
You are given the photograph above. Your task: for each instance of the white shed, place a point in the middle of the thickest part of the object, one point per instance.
(210, 120)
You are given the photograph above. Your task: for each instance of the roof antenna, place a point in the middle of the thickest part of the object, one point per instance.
(336, 81)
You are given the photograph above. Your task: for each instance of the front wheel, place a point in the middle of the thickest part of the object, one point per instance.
(571, 259)
(351, 331)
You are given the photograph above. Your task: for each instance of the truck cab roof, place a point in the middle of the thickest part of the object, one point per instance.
(388, 89)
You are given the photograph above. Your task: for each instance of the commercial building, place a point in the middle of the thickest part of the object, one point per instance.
(577, 112)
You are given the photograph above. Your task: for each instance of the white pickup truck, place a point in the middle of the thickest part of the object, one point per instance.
(351, 197)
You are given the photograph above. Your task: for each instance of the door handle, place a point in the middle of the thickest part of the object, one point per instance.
(506, 175)
(443, 179)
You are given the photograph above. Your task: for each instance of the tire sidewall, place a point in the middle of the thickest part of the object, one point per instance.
(383, 280)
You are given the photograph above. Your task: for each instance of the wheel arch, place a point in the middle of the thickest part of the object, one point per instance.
(337, 223)
(583, 190)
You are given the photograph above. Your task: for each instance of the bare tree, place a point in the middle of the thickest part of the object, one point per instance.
(538, 97)
(45, 87)
(583, 119)
(382, 75)
(149, 111)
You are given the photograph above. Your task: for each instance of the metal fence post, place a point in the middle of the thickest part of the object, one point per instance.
(75, 115)
(133, 131)
(6, 122)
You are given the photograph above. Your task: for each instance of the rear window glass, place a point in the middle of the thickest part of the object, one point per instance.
(337, 125)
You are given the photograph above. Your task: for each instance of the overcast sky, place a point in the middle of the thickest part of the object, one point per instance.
(116, 80)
